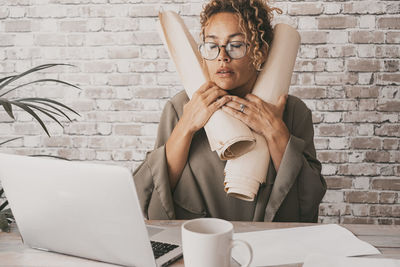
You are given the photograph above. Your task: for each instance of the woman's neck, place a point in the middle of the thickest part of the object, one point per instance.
(247, 88)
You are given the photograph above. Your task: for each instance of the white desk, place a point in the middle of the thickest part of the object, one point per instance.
(14, 253)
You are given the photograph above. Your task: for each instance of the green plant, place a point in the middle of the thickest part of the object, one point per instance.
(35, 106)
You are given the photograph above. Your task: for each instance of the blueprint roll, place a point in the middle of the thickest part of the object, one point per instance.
(250, 169)
(228, 136)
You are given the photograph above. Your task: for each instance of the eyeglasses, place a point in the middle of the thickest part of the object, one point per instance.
(235, 50)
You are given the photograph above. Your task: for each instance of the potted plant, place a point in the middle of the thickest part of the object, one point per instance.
(36, 107)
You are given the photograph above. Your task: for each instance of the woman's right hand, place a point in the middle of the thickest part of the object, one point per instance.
(205, 101)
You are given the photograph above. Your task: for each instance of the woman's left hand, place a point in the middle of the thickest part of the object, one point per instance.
(264, 118)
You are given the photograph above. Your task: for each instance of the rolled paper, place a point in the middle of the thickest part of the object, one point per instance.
(228, 136)
(250, 170)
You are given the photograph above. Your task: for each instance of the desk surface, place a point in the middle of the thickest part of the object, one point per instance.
(14, 253)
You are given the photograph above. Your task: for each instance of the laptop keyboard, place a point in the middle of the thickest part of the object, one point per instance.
(160, 248)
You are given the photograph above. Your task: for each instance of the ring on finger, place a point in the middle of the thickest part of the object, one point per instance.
(242, 108)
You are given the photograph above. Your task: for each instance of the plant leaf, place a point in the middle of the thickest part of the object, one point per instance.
(50, 156)
(37, 81)
(9, 140)
(44, 111)
(2, 206)
(37, 68)
(30, 111)
(7, 107)
(5, 79)
(38, 99)
(40, 108)
(52, 106)
(4, 225)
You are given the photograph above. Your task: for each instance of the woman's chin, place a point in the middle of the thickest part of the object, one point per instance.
(225, 85)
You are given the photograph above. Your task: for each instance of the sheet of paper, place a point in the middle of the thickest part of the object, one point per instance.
(292, 245)
(318, 260)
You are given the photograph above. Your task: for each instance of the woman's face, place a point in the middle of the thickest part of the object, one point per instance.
(236, 75)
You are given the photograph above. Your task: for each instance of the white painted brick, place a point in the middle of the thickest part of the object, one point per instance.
(149, 52)
(366, 129)
(335, 65)
(333, 196)
(123, 93)
(328, 219)
(75, 39)
(361, 183)
(367, 22)
(48, 25)
(95, 25)
(338, 143)
(100, 39)
(123, 79)
(21, 66)
(149, 129)
(4, 12)
(99, 66)
(333, 117)
(292, 21)
(123, 67)
(104, 128)
(103, 155)
(16, 12)
(46, 11)
(44, 39)
(360, 210)
(148, 24)
(307, 23)
(338, 37)
(282, 5)
(328, 169)
(6, 129)
(307, 52)
(144, 10)
(365, 78)
(192, 9)
(355, 157)
(120, 24)
(332, 8)
(366, 50)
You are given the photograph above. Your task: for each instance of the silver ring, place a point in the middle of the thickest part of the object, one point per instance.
(242, 108)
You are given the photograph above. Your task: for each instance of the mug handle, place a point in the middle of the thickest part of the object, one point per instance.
(237, 242)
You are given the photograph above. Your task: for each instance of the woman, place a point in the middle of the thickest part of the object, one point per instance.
(183, 179)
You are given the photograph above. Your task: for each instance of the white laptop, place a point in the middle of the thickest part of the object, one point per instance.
(83, 209)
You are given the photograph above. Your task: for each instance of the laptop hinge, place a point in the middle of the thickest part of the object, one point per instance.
(43, 249)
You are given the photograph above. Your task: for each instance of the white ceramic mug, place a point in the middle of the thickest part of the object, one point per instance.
(208, 242)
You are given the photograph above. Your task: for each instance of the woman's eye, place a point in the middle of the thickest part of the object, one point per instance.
(236, 45)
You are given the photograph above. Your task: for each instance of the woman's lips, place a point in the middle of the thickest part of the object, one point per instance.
(224, 72)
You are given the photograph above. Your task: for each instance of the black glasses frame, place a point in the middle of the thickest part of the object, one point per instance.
(224, 46)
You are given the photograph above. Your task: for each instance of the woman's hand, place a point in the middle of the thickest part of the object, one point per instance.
(265, 119)
(205, 101)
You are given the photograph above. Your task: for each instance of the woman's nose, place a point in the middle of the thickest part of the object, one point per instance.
(223, 56)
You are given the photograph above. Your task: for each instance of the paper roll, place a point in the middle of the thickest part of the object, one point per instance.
(272, 82)
(228, 136)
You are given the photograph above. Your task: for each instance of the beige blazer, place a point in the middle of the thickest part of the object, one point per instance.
(292, 194)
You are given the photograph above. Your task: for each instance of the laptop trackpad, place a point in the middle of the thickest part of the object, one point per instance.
(152, 230)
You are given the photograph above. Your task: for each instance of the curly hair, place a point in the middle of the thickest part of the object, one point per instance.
(255, 18)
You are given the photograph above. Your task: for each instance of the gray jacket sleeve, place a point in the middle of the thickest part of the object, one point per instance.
(300, 173)
(151, 177)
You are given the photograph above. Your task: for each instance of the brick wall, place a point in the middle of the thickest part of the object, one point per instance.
(347, 72)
